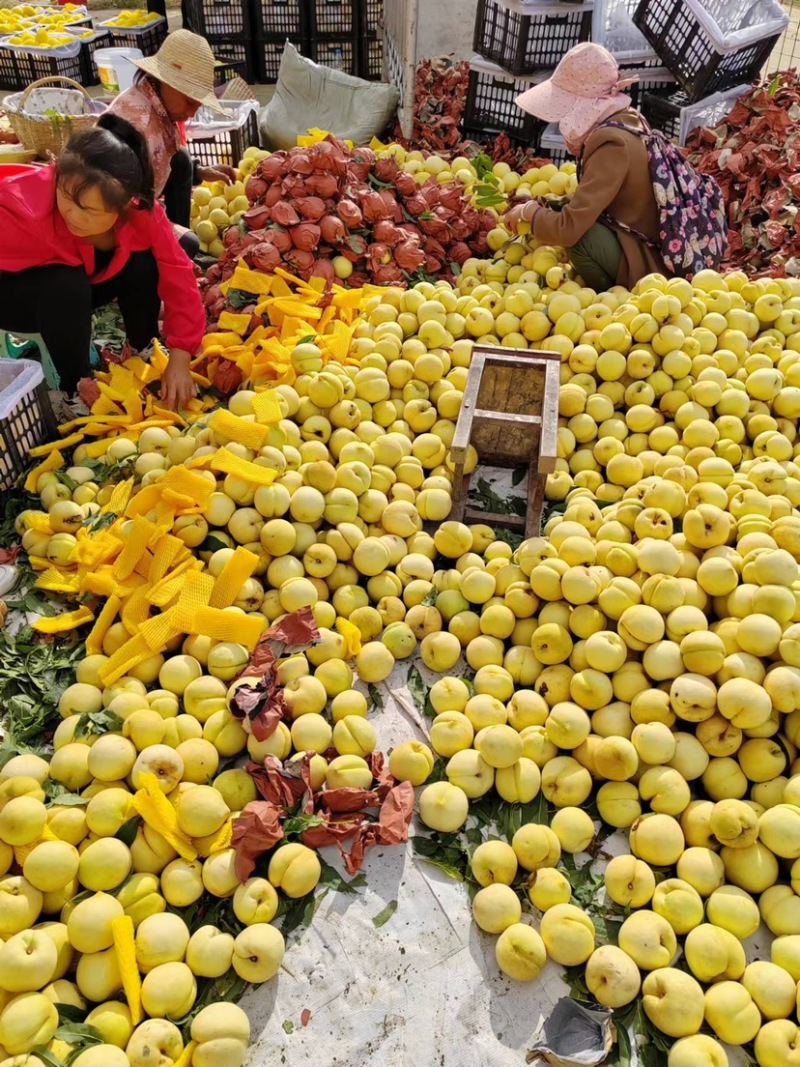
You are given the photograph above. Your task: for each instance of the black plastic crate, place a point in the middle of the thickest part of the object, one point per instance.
(29, 423)
(89, 45)
(237, 59)
(220, 18)
(226, 72)
(334, 18)
(340, 53)
(525, 43)
(487, 137)
(269, 52)
(490, 104)
(371, 17)
(692, 54)
(281, 19)
(653, 78)
(227, 146)
(19, 68)
(370, 63)
(148, 39)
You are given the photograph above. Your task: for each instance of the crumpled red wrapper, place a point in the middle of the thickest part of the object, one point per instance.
(282, 785)
(227, 377)
(88, 391)
(391, 828)
(297, 628)
(9, 555)
(255, 831)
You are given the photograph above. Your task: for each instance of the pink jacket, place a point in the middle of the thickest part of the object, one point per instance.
(142, 107)
(33, 234)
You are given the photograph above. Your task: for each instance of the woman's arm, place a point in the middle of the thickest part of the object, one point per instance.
(184, 314)
(603, 174)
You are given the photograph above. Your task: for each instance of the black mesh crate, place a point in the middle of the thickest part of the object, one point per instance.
(234, 59)
(227, 146)
(340, 53)
(703, 56)
(371, 17)
(281, 19)
(490, 103)
(230, 19)
(26, 418)
(334, 18)
(524, 43)
(19, 66)
(148, 39)
(268, 56)
(89, 45)
(370, 63)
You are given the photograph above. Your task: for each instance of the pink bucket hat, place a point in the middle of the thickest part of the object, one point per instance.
(584, 89)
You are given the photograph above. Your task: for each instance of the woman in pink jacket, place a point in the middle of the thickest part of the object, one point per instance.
(86, 231)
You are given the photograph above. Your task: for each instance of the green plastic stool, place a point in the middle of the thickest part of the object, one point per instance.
(17, 345)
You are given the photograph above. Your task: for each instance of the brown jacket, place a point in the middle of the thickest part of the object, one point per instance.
(616, 179)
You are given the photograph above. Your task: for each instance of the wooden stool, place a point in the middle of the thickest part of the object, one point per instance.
(510, 415)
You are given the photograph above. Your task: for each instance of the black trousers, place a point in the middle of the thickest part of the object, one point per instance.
(178, 190)
(57, 302)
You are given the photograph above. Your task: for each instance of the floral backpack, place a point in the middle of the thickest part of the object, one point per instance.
(693, 233)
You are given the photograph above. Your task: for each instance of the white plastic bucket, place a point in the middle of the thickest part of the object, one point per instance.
(115, 67)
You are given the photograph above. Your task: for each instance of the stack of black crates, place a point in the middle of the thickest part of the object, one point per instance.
(248, 36)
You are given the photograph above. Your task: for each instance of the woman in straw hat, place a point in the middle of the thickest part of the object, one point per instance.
(85, 231)
(172, 86)
(585, 92)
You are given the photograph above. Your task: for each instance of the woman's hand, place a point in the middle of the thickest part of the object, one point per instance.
(177, 387)
(219, 173)
(520, 213)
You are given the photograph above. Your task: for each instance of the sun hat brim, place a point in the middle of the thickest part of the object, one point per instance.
(185, 85)
(547, 102)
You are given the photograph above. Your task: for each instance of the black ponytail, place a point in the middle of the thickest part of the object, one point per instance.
(113, 157)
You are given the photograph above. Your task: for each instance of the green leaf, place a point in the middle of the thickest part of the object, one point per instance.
(79, 1033)
(68, 1013)
(448, 868)
(309, 339)
(47, 1057)
(419, 691)
(376, 701)
(127, 832)
(519, 476)
(298, 824)
(429, 600)
(301, 912)
(384, 916)
(331, 878)
(288, 1026)
(444, 851)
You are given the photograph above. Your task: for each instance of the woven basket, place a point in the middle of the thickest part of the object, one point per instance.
(47, 135)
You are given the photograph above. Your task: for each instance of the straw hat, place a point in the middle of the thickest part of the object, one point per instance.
(185, 62)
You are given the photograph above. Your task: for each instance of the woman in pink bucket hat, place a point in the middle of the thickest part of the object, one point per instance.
(584, 92)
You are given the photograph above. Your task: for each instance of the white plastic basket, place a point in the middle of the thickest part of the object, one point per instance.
(26, 418)
(708, 112)
(736, 24)
(613, 27)
(553, 144)
(115, 28)
(62, 51)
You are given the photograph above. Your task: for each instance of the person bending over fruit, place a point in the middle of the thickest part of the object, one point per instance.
(85, 231)
(615, 191)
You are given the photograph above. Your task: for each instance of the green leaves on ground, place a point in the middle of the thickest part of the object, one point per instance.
(33, 675)
(420, 692)
(385, 915)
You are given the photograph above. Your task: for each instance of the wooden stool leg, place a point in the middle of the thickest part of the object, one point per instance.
(460, 487)
(536, 487)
